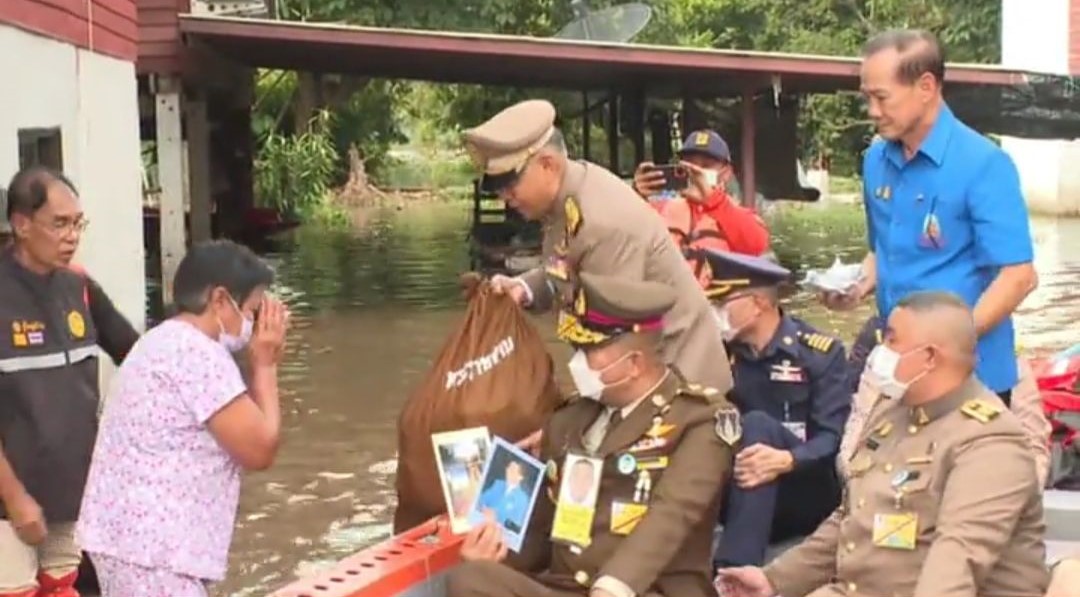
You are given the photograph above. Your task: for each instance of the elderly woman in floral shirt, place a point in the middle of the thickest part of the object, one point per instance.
(180, 426)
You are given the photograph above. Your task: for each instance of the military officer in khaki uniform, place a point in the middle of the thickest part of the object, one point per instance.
(943, 498)
(661, 449)
(1025, 402)
(593, 222)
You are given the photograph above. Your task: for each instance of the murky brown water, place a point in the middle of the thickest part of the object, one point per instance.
(372, 308)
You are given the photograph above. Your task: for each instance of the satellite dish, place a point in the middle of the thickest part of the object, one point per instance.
(618, 23)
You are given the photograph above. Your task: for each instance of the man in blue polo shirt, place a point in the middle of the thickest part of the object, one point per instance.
(943, 204)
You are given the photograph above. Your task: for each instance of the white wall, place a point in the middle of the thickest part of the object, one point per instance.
(1035, 37)
(93, 99)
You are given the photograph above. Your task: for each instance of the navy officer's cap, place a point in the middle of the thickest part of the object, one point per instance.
(731, 272)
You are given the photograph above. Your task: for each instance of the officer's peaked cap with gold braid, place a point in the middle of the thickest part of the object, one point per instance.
(606, 307)
(732, 272)
(501, 147)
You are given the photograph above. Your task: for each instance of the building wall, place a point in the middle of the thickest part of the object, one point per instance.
(1044, 37)
(160, 47)
(92, 99)
(104, 26)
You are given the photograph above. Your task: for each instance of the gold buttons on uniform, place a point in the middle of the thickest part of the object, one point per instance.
(888, 468)
(852, 587)
(582, 578)
(860, 503)
(913, 429)
(851, 546)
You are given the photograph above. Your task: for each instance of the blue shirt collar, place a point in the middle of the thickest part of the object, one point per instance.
(934, 145)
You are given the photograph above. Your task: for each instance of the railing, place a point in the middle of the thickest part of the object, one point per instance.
(412, 560)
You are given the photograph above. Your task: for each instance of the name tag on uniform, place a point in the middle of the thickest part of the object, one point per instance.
(625, 516)
(576, 507)
(896, 531)
(798, 429)
(786, 372)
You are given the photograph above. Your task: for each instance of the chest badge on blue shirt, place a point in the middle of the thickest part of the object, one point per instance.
(931, 236)
(786, 372)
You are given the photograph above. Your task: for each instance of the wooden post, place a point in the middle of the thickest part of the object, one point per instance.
(586, 127)
(749, 131)
(198, 146)
(613, 132)
(170, 157)
(637, 114)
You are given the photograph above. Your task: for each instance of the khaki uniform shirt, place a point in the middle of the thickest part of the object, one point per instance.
(942, 501)
(1026, 405)
(599, 224)
(669, 549)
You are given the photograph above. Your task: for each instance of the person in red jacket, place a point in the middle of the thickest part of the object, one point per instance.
(704, 216)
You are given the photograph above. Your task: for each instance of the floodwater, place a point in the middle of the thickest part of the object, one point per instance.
(372, 307)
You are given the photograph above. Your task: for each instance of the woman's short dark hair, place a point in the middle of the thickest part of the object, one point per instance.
(210, 264)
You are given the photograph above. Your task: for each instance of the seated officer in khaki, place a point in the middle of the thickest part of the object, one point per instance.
(943, 499)
(594, 222)
(662, 449)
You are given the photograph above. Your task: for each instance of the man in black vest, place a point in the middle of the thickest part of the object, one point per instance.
(49, 381)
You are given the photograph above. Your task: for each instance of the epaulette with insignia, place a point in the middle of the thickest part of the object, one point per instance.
(572, 213)
(819, 342)
(980, 410)
(698, 391)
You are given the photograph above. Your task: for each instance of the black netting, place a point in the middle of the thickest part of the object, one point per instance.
(1043, 107)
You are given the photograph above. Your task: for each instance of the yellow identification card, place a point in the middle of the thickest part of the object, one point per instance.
(576, 506)
(625, 516)
(896, 531)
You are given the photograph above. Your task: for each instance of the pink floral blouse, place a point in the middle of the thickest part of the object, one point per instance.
(161, 492)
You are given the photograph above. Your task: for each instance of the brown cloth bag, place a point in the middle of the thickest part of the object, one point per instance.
(494, 371)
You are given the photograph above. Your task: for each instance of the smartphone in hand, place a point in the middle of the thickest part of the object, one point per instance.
(676, 177)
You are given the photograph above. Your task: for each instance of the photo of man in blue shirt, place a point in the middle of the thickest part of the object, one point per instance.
(944, 209)
(507, 498)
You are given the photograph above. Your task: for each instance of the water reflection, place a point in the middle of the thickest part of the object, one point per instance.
(372, 308)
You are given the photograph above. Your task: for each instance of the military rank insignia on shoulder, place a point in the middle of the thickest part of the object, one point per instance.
(698, 391)
(728, 425)
(980, 410)
(572, 211)
(819, 342)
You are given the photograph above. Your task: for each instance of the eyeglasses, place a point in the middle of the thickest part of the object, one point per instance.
(64, 226)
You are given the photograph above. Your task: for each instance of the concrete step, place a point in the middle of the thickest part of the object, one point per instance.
(1062, 511)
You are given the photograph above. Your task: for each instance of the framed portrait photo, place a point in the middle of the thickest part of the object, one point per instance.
(509, 486)
(460, 457)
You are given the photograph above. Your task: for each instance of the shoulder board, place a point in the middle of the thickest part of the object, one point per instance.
(572, 211)
(698, 391)
(980, 410)
(819, 342)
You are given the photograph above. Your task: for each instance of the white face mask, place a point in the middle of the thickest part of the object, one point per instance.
(586, 379)
(711, 177)
(882, 364)
(723, 319)
(236, 343)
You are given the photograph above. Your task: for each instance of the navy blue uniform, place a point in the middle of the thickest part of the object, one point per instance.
(793, 396)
